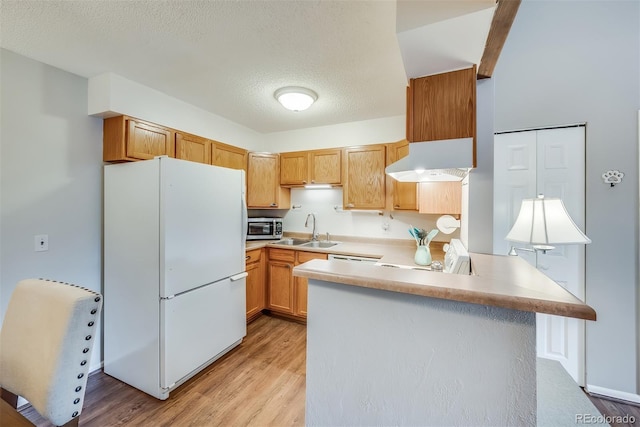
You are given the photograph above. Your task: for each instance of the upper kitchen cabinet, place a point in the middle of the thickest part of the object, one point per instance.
(325, 166)
(193, 148)
(441, 197)
(442, 106)
(263, 183)
(403, 195)
(364, 178)
(228, 156)
(126, 138)
(311, 167)
(294, 168)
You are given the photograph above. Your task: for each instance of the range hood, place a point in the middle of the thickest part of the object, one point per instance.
(445, 160)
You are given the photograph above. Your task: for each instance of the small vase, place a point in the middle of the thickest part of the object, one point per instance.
(423, 255)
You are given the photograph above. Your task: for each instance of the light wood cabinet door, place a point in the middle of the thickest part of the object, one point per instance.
(125, 138)
(404, 194)
(280, 293)
(325, 167)
(255, 289)
(311, 167)
(193, 148)
(263, 182)
(440, 197)
(145, 141)
(300, 301)
(442, 106)
(364, 184)
(294, 168)
(228, 156)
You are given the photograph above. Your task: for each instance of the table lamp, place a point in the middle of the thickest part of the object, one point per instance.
(543, 223)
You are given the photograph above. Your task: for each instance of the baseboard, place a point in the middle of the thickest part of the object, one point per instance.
(607, 392)
(96, 368)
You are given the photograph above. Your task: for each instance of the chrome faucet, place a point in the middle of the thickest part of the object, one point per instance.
(314, 235)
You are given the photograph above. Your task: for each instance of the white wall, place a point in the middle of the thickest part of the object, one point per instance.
(374, 131)
(321, 202)
(112, 95)
(387, 358)
(570, 62)
(477, 215)
(51, 178)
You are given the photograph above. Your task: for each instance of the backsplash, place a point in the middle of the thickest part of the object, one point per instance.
(326, 204)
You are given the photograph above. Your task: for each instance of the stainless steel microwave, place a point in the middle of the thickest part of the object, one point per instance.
(264, 228)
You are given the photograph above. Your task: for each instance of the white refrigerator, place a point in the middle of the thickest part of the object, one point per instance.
(174, 271)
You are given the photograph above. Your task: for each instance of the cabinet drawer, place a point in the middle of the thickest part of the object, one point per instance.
(282, 254)
(253, 255)
(308, 256)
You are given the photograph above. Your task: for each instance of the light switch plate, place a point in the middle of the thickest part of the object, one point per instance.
(41, 242)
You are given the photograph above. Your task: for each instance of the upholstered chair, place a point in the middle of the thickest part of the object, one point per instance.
(46, 342)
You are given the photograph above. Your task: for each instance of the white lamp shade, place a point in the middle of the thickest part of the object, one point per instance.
(544, 221)
(296, 98)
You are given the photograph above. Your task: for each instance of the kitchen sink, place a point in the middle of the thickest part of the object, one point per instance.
(318, 244)
(292, 241)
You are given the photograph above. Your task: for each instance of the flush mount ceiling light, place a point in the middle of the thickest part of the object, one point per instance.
(295, 98)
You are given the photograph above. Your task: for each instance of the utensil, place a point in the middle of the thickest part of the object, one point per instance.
(431, 235)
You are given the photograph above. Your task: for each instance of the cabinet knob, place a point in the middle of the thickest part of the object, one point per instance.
(304, 182)
(350, 205)
(396, 206)
(274, 204)
(313, 181)
(247, 258)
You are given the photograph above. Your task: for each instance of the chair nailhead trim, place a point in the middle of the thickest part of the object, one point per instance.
(88, 337)
(84, 362)
(86, 350)
(97, 299)
(76, 401)
(70, 284)
(90, 324)
(80, 375)
(94, 311)
(75, 414)
(78, 388)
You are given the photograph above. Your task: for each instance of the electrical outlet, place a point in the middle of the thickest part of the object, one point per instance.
(41, 242)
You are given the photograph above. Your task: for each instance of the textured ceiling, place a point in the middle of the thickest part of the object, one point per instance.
(227, 57)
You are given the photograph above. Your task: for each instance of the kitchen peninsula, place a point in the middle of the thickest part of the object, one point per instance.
(406, 347)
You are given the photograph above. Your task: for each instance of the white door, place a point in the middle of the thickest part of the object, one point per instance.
(551, 162)
(201, 225)
(197, 325)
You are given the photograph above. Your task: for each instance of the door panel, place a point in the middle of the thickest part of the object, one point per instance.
(551, 162)
(197, 325)
(202, 225)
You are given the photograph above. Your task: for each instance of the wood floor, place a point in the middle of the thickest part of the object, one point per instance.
(615, 408)
(260, 383)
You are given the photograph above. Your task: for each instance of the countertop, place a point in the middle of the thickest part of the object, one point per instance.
(392, 251)
(502, 281)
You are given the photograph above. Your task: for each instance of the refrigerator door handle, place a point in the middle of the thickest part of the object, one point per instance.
(239, 276)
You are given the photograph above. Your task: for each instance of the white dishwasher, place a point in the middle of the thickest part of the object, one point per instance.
(351, 258)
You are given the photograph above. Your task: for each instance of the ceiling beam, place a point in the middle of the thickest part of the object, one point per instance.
(500, 25)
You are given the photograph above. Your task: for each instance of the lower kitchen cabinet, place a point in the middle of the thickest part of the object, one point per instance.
(280, 280)
(255, 283)
(286, 294)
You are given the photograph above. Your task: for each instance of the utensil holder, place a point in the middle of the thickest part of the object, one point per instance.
(423, 255)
